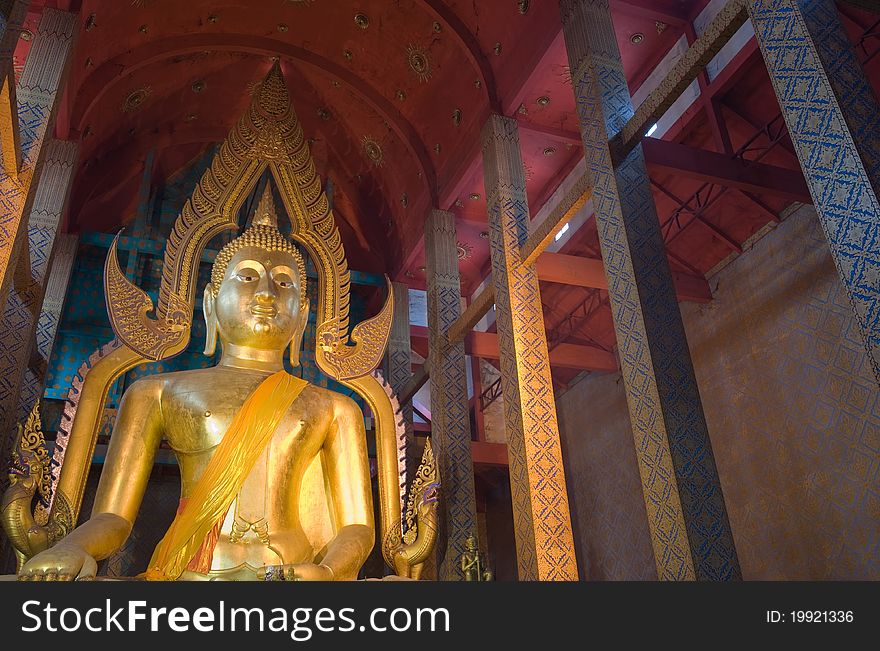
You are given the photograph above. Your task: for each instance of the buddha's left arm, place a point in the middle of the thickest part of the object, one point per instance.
(347, 468)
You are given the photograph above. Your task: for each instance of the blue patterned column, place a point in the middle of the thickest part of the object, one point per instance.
(398, 365)
(541, 519)
(34, 382)
(450, 422)
(18, 323)
(690, 531)
(37, 94)
(833, 118)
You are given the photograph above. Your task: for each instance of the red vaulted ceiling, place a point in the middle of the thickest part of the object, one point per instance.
(418, 79)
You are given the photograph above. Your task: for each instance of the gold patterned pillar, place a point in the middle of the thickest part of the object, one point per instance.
(37, 95)
(12, 15)
(687, 517)
(450, 423)
(34, 382)
(18, 322)
(398, 363)
(544, 542)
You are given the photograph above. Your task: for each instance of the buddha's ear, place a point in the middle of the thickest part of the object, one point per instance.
(211, 327)
(296, 340)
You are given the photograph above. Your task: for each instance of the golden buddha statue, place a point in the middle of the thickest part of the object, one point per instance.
(274, 472)
(249, 440)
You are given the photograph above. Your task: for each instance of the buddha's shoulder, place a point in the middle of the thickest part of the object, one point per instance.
(186, 381)
(176, 378)
(331, 399)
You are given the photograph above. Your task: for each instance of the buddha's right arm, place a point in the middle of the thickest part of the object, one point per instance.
(136, 437)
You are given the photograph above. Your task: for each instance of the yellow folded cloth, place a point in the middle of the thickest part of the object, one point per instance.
(241, 446)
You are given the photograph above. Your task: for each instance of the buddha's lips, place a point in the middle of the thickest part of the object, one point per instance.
(267, 311)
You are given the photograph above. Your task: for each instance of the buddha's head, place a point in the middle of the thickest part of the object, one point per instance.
(257, 294)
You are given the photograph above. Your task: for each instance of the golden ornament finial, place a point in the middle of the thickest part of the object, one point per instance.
(261, 232)
(266, 215)
(273, 99)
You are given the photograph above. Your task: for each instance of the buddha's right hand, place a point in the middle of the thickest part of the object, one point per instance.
(60, 563)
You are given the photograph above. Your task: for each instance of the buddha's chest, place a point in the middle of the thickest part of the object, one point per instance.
(196, 420)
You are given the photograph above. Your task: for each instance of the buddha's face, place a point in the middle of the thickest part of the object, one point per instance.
(258, 302)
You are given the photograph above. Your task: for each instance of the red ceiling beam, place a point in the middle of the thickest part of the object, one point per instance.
(723, 82)
(590, 272)
(711, 106)
(560, 135)
(419, 340)
(711, 167)
(584, 358)
(723, 170)
(485, 346)
(489, 454)
(698, 214)
(702, 202)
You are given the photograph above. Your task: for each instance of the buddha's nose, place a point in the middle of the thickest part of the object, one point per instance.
(265, 291)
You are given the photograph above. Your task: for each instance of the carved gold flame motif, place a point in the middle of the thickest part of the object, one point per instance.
(268, 136)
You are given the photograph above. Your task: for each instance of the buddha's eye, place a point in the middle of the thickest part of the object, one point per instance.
(247, 275)
(284, 281)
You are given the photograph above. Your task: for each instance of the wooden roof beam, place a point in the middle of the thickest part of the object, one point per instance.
(590, 272)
